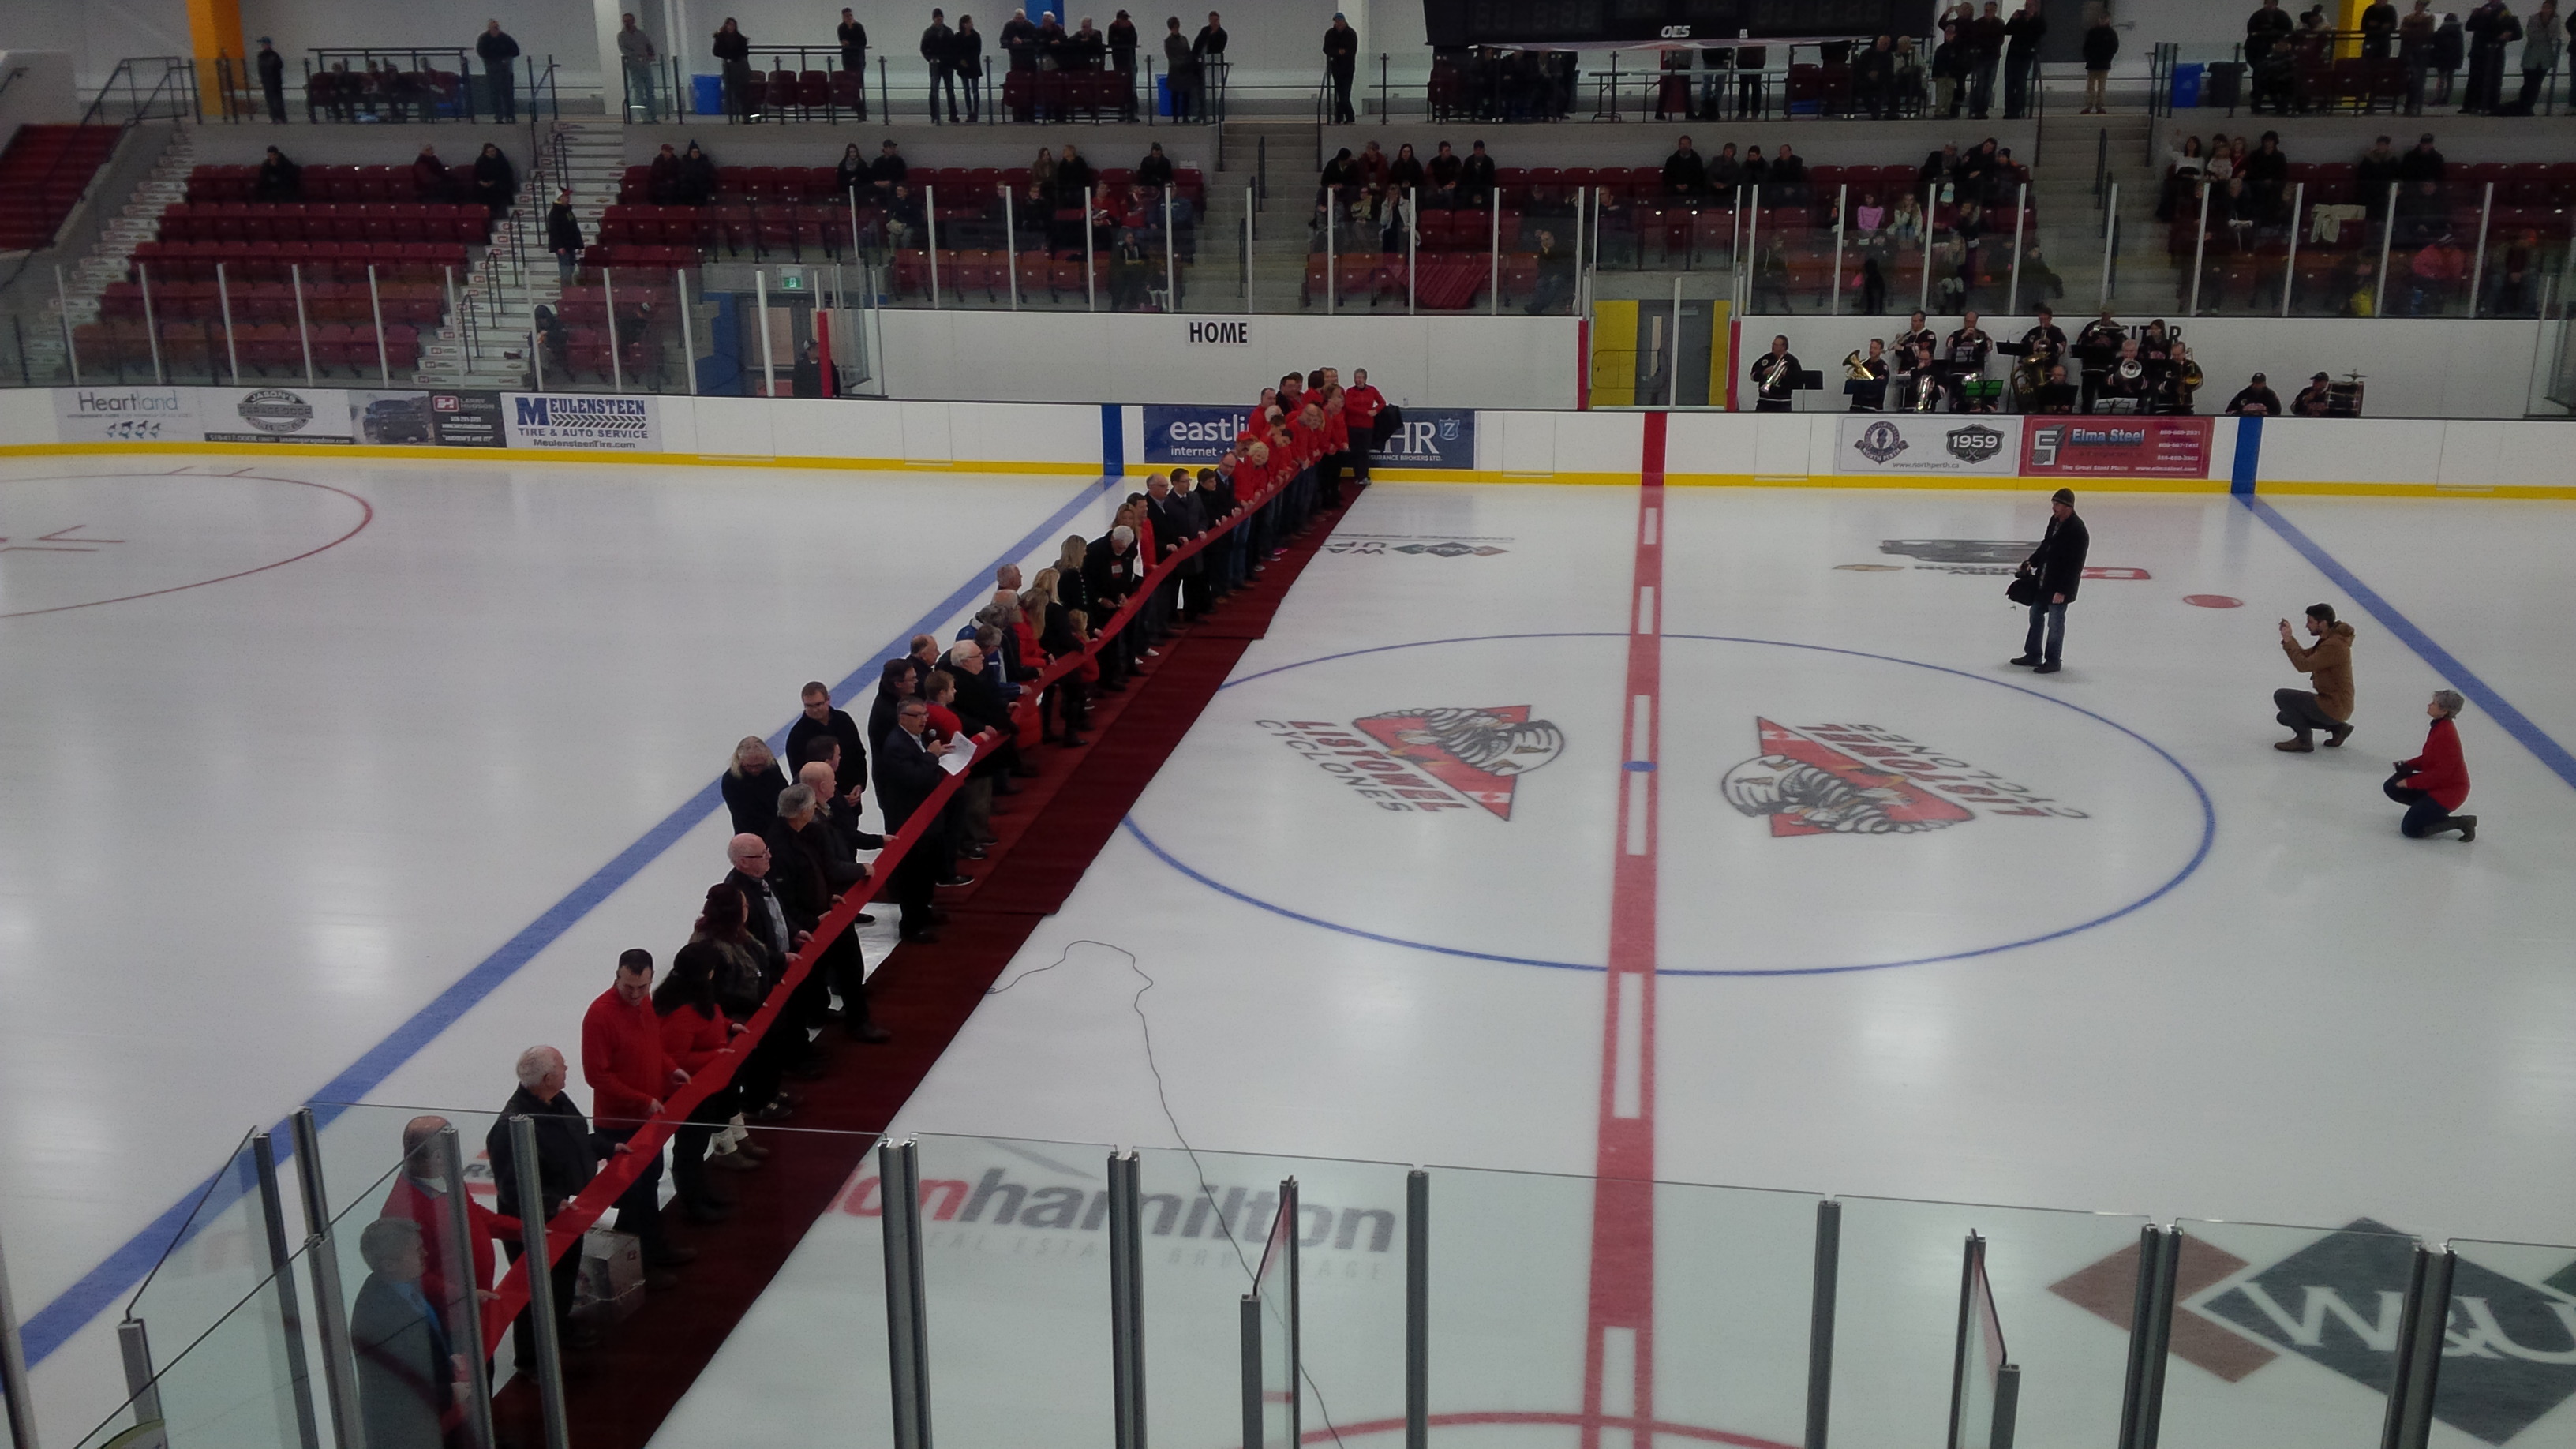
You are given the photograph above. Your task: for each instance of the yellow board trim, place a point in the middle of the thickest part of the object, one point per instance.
(544, 455)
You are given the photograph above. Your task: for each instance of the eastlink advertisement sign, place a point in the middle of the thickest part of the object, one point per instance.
(559, 420)
(1191, 435)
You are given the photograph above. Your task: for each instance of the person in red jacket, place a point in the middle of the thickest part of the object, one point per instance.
(697, 1035)
(2436, 782)
(420, 1196)
(1361, 404)
(628, 1071)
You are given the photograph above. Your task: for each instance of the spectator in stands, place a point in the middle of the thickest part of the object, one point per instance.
(563, 235)
(429, 181)
(2255, 399)
(2491, 27)
(662, 177)
(2439, 270)
(751, 785)
(850, 175)
(2265, 28)
(2415, 48)
(1985, 36)
(1341, 62)
(697, 177)
(938, 52)
(1725, 172)
(272, 79)
(1209, 43)
(887, 172)
(2101, 46)
(278, 179)
(635, 53)
(496, 181)
(2450, 47)
(966, 58)
(1442, 172)
(2512, 294)
(2371, 176)
(2266, 174)
(2022, 36)
(1787, 177)
(628, 1073)
(568, 1155)
(2422, 164)
(1685, 171)
(1122, 40)
(1156, 169)
(2543, 41)
(1181, 67)
(2378, 29)
(1949, 64)
(498, 50)
(1756, 170)
(2183, 171)
(733, 58)
(1475, 176)
(1074, 177)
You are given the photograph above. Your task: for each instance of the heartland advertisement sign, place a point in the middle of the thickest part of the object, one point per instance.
(1917, 443)
(2138, 447)
(559, 420)
(1430, 438)
(127, 415)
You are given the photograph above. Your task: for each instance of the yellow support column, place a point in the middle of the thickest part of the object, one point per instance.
(215, 29)
(1614, 354)
(2348, 19)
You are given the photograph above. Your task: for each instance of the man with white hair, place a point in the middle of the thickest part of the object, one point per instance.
(780, 936)
(568, 1155)
(419, 1195)
(812, 871)
(1110, 570)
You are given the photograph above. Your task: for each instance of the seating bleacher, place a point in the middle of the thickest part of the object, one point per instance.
(43, 172)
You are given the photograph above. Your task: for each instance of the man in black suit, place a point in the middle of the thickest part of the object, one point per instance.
(907, 772)
(981, 707)
(811, 870)
(2058, 564)
(774, 923)
(896, 682)
(407, 1373)
(568, 1155)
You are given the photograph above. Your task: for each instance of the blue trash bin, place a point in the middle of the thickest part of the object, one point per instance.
(706, 94)
(1162, 95)
(2186, 85)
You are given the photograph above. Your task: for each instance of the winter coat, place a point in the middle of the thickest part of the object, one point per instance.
(2328, 665)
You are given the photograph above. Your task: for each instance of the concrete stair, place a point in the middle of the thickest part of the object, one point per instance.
(137, 220)
(487, 345)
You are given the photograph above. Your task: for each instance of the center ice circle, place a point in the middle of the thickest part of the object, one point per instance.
(1817, 809)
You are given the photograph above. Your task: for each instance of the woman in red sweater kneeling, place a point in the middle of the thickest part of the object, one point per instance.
(2436, 782)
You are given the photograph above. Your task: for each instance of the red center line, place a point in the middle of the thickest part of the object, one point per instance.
(1618, 1353)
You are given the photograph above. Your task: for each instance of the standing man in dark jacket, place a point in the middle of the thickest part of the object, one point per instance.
(966, 59)
(1341, 61)
(1208, 51)
(2101, 44)
(568, 1154)
(498, 50)
(908, 771)
(2058, 565)
(272, 79)
(406, 1369)
(937, 42)
(2022, 35)
(854, 58)
(1181, 64)
(1122, 59)
(1986, 50)
(820, 718)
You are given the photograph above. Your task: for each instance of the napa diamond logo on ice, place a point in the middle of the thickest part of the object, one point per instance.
(1880, 442)
(1975, 443)
(1366, 547)
(2509, 1347)
(1429, 759)
(1860, 779)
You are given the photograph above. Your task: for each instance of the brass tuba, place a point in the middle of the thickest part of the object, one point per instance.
(1854, 369)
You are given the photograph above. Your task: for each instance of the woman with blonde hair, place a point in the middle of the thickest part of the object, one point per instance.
(752, 784)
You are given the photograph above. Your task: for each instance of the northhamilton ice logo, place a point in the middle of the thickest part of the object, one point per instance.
(1860, 779)
(1429, 759)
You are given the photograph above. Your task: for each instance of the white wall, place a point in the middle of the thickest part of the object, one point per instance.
(98, 33)
(1104, 357)
(44, 96)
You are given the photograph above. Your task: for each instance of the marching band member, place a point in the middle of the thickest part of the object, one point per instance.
(1865, 378)
(1775, 376)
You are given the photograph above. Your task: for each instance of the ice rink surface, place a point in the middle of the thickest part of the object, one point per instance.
(2124, 956)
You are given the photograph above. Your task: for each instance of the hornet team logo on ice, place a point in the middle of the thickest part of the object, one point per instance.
(1429, 759)
(1860, 779)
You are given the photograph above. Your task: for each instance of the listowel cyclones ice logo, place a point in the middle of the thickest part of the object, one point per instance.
(1860, 779)
(1429, 759)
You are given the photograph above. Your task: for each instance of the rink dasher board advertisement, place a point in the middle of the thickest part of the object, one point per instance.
(2131, 447)
(595, 424)
(1912, 444)
(127, 415)
(1442, 438)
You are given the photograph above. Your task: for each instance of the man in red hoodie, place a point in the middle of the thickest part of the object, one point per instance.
(628, 1069)
(1362, 403)
(420, 1196)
